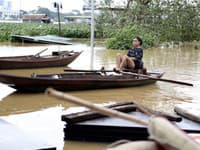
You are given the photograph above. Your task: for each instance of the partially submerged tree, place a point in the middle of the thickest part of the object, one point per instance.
(170, 20)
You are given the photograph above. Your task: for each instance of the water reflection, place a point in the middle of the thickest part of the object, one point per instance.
(179, 63)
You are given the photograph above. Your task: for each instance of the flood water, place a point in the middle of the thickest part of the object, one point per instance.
(40, 115)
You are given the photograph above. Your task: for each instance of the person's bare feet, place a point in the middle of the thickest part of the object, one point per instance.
(116, 69)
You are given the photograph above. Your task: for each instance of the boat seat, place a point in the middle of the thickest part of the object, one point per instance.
(140, 71)
(33, 75)
(55, 76)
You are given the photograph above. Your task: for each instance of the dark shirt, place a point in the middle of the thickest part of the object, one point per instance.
(136, 52)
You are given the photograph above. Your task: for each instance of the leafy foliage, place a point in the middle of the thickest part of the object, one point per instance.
(123, 38)
(76, 31)
(154, 20)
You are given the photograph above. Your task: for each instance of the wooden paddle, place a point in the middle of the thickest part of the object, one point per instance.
(157, 79)
(38, 54)
(89, 71)
(102, 110)
(80, 70)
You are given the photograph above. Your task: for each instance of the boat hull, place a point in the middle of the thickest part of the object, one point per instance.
(21, 62)
(73, 82)
(110, 129)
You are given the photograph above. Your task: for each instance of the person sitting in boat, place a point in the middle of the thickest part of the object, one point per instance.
(133, 60)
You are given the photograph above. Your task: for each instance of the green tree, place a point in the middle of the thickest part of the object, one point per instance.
(170, 20)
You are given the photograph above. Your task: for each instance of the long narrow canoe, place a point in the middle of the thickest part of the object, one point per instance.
(74, 81)
(32, 61)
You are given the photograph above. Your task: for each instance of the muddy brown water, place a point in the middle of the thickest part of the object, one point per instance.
(39, 114)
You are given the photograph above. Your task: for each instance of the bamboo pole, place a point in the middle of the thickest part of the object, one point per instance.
(41, 52)
(142, 109)
(158, 79)
(102, 110)
(92, 35)
(82, 70)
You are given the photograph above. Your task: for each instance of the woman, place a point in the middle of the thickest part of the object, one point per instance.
(133, 60)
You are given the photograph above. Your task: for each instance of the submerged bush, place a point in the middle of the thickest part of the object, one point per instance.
(33, 29)
(117, 38)
(123, 38)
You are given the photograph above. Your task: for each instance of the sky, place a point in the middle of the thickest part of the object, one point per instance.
(68, 5)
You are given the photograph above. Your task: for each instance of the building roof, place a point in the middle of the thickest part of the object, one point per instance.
(35, 17)
(78, 17)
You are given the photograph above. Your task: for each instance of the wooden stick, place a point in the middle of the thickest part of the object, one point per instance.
(41, 52)
(100, 70)
(90, 115)
(74, 70)
(150, 112)
(102, 110)
(142, 109)
(158, 79)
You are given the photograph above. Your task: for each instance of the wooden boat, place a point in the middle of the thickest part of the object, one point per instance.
(75, 81)
(109, 129)
(36, 61)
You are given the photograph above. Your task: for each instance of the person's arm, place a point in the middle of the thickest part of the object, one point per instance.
(138, 55)
(129, 55)
(133, 58)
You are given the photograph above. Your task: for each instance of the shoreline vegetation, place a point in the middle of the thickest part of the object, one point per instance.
(154, 21)
(113, 36)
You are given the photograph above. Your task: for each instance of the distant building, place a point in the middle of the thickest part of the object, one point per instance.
(9, 14)
(77, 19)
(8, 5)
(36, 18)
(6, 12)
(1, 2)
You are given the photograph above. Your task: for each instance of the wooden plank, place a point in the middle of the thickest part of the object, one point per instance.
(139, 145)
(89, 115)
(190, 111)
(150, 112)
(123, 107)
